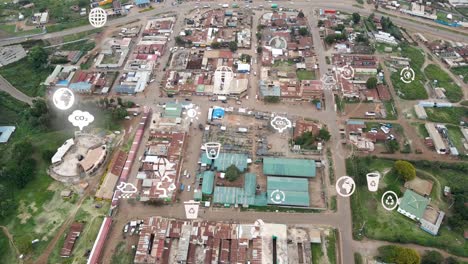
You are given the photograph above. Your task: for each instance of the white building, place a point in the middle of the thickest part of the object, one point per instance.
(384, 37)
(436, 138)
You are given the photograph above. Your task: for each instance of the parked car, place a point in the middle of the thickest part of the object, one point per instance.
(188, 188)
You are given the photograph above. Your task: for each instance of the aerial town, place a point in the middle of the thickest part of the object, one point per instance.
(262, 132)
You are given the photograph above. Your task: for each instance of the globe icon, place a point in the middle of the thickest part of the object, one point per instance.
(97, 17)
(63, 98)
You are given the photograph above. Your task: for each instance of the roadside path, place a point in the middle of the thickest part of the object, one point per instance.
(10, 89)
(10, 239)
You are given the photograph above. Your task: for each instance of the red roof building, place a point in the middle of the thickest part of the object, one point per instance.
(70, 240)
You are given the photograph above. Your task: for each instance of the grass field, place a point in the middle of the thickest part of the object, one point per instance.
(414, 90)
(317, 253)
(331, 246)
(92, 218)
(11, 30)
(10, 109)
(390, 110)
(456, 137)
(452, 115)
(452, 90)
(6, 252)
(421, 129)
(305, 75)
(386, 225)
(123, 254)
(25, 77)
(463, 71)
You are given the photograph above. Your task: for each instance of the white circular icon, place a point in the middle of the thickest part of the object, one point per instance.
(345, 186)
(407, 75)
(97, 17)
(389, 200)
(328, 82)
(277, 196)
(347, 72)
(63, 98)
(280, 123)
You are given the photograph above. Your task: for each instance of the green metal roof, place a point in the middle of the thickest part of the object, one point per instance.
(208, 182)
(250, 183)
(173, 110)
(225, 160)
(240, 196)
(289, 167)
(204, 159)
(225, 195)
(288, 191)
(414, 203)
(197, 195)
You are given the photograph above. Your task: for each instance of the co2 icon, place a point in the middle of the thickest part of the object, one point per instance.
(80, 119)
(407, 75)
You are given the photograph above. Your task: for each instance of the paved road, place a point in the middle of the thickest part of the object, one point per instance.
(10, 89)
(343, 5)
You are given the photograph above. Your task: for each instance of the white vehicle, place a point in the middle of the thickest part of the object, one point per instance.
(185, 173)
(222, 98)
(188, 175)
(126, 228)
(385, 129)
(255, 73)
(188, 188)
(370, 114)
(225, 5)
(127, 118)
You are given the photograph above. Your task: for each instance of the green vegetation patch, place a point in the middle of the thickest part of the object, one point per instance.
(451, 115)
(317, 253)
(331, 246)
(414, 90)
(456, 137)
(463, 71)
(25, 77)
(371, 220)
(123, 254)
(305, 75)
(452, 90)
(7, 253)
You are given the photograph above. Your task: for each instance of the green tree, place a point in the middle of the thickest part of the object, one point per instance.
(303, 31)
(271, 99)
(451, 260)
(306, 140)
(300, 14)
(432, 257)
(356, 18)
(259, 49)
(119, 101)
(404, 169)
(324, 134)
(233, 46)
(119, 113)
(6, 201)
(179, 41)
(371, 83)
(259, 35)
(38, 57)
(392, 146)
(232, 173)
(216, 45)
(398, 255)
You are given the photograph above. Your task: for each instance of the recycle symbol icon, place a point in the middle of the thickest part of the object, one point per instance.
(191, 210)
(373, 183)
(389, 200)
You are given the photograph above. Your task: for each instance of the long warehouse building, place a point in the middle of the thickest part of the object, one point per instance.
(436, 138)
